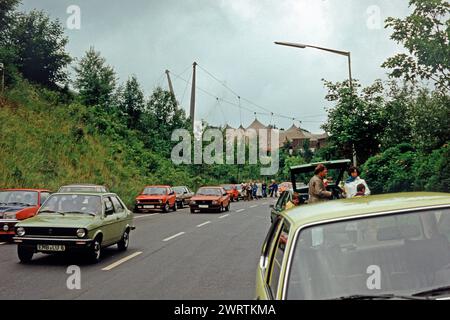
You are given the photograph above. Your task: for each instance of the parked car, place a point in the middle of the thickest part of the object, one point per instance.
(280, 205)
(17, 205)
(232, 191)
(183, 195)
(75, 222)
(392, 246)
(156, 197)
(241, 191)
(284, 186)
(83, 188)
(210, 199)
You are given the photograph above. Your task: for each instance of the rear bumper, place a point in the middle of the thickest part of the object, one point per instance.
(69, 244)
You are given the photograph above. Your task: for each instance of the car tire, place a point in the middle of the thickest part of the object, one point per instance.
(174, 208)
(227, 208)
(221, 208)
(166, 208)
(95, 251)
(232, 199)
(192, 211)
(25, 254)
(136, 210)
(122, 245)
(180, 205)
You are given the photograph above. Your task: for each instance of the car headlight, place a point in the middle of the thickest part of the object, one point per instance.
(193, 202)
(9, 215)
(214, 202)
(137, 201)
(81, 233)
(160, 201)
(20, 231)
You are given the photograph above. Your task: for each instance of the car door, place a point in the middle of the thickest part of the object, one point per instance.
(109, 221)
(121, 217)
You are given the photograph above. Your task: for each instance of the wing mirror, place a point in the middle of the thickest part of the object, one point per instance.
(109, 212)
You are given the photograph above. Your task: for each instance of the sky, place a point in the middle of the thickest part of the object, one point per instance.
(233, 41)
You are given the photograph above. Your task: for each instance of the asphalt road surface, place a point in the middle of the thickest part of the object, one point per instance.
(177, 255)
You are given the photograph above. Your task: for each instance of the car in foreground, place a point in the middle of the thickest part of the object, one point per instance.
(159, 197)
(17, 205)
(83, 188)
(183, 196)
(392, 246)
(75, 222)
(232, 191)
(209, 199)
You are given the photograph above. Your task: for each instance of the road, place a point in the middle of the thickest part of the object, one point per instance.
(177, 255)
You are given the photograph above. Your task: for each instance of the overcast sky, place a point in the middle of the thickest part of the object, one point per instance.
(233, 40)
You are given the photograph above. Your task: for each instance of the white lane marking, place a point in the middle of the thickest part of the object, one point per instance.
(2, 243)
(254, 206)
(225, 215)
(174, 236)
(203, 224)
(145, 215)
(240, 210)
(118, 263)
(264, 203)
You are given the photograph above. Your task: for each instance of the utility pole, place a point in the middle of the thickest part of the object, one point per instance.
(192, 111)
(2, 68)
(171, 87)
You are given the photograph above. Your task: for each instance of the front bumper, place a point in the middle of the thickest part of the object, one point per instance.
(143, 206)
(209, 206)
(7, 226)
(70, 244)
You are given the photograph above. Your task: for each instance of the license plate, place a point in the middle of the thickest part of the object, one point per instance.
(50, 247)
(203, 206)
(149, 206)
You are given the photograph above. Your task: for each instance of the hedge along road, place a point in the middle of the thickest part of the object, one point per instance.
(177, 255)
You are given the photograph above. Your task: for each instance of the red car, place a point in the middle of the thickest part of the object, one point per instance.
(17, 205)
(156, 197)
(232, 191)
(210, 199)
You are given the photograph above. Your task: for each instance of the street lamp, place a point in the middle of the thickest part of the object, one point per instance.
(342, 53)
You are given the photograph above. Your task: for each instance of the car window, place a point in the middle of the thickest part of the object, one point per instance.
(44, 196)
(277, 259)
(108, 205)
(117, 205)
(281, 203)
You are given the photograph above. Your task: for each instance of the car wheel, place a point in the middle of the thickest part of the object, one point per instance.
(95, 251)
(221, 208)
(227, 208)
(25, 254)
(232, 199)
(180, 205)
(122, 245)
(192, 211)
(166, 208)
(175, 206)
(136, 210)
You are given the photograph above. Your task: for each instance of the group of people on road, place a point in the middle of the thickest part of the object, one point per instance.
(254, 190)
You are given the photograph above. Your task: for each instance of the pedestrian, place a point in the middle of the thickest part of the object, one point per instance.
(317, 191)
(264, 189)
(275, 187)
(254, 190)
(248, 191)
(350, 187)
(360, 190)
(259, 190)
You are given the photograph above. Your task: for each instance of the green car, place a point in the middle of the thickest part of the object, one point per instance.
(392, 246)
(75, 222)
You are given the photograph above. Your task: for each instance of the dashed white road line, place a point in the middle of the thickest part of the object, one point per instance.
(145, 215)
(240, 210)
(225, 215)
(118, 263)
(264, 203)
(174, 236)
(254, 206)
(203, 224)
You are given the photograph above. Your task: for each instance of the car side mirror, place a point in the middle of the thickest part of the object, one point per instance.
(173, 192)
(225, 194)
(109, 212)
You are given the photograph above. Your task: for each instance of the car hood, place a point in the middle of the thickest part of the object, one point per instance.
(14, 209)
(150, 197)
(59, 221)
(201, 197)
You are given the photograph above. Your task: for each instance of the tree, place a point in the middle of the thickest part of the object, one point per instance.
(7, 7)
(95, 80)
(356, 119)
(39, 46)
(131, 102)
(425, 34)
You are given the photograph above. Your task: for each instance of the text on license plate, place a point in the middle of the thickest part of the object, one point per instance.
(50, 247)
(203, 206)
(149, 206)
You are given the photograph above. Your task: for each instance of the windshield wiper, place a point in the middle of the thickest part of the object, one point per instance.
(433, 292)
(51, 211)
(377, 296)
(82, 212)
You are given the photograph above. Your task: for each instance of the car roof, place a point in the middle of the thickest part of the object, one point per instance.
(30, 189)
(216, 187)
(86, 193)
(157, 186)
(361, 206)
(334, 164)
(82, 185)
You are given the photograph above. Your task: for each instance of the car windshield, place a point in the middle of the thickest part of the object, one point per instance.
(26, 198)
(72, 203)
(209, 192)
(81, 189)
(227, 187)
(154, 191)
(302, 179)
(179, 190)
(402, 253)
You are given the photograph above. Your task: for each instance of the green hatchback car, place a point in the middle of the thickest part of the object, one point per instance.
(393, 246)
(75, 222)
